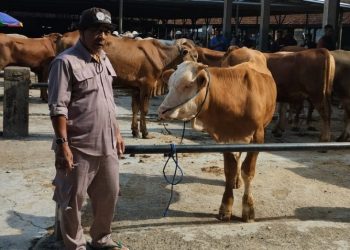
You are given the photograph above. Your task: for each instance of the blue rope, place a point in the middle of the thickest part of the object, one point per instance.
(173, 182)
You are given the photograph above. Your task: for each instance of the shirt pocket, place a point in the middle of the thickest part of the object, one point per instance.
(85, 81)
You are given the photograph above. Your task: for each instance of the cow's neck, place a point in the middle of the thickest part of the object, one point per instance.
(210, 57)
(170, 56)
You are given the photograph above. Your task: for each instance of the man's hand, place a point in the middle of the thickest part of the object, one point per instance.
(120, 145)
(66, 156)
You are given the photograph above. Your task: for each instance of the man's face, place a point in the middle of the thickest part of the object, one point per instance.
(94, 38)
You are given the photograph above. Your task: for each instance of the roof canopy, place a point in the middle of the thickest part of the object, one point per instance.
(166, 9)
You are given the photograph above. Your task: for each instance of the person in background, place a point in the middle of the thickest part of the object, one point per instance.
(87, 140)
(308, 42)
(278, 43)
(288, 39)
(178, 34)
(327, 40)
(218, 41)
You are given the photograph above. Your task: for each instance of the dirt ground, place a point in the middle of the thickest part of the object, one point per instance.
(301, 198)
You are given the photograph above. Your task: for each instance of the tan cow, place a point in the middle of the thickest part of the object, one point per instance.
(139, 64)
(35, 53)
(304, 75)
(234, 105)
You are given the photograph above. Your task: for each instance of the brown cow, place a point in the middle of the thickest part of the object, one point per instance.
(35, 53)
(341, 87)
(210, 57)
(139, 64)
(233, 104)
(305, 74)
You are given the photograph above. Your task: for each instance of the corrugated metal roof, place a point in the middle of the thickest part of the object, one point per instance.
(162, 9)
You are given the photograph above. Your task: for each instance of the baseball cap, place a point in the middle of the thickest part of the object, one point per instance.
(95, 16)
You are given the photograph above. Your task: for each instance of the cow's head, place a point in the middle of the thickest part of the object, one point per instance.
(185, 94)
(53, 38)
(187, 49)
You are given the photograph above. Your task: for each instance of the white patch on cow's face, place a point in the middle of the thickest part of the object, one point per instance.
(179, 102)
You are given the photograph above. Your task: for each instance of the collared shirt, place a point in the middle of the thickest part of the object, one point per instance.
(80, 88)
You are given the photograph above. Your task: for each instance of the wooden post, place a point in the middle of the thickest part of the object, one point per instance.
(16, 105)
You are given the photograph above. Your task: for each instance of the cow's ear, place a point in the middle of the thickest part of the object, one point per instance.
(166, 74)
(202, 76)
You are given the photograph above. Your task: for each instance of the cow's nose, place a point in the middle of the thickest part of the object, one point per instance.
(161, 112)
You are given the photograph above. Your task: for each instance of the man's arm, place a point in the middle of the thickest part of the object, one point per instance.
(59, 97)
(59, 124)
(120, 147)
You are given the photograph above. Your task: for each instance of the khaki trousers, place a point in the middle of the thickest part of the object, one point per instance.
(98, 176)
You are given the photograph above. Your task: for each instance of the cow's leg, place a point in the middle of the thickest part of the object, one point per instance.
(345, 135)
(145, 96)
(324, 108)
(310, 110)
(282, 120)
(135, 105)
(43, 94)
(248, 173)
(296, 108)
(232, 168)
(43, 77)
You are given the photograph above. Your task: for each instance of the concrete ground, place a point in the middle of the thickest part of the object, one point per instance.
(302, 198)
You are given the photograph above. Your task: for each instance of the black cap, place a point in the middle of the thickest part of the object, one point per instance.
(95, 16)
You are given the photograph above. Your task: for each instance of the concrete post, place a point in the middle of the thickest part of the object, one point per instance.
(227, 31)
(264, 24)
(331, 13)
(16, 105)
(120, 21)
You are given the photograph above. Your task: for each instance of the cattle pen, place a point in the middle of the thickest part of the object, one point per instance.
(301, 195)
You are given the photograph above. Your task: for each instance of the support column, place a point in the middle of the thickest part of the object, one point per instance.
(227, 19)
(121, 16)
(16, 101)
(264, 24)
(331, 13)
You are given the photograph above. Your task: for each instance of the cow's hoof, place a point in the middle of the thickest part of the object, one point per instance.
(248, 215)
(224, 214)
(147, 136)
(224, 217)
(44, 100)
(135, 134)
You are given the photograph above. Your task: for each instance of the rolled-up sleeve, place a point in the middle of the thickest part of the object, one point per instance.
(60, 88)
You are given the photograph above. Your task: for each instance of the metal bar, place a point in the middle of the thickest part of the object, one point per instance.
(38, 85)
(220, 148)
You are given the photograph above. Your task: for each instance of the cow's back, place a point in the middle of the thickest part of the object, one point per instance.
(246, 99)
(342, 73)
(301, 74)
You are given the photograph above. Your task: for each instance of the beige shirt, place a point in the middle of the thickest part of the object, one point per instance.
(80, 88)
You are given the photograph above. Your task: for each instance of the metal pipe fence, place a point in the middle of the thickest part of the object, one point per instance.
(220, 148)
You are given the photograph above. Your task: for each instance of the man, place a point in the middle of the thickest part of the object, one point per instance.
(327, 40)
(88, 140)
(218, 42)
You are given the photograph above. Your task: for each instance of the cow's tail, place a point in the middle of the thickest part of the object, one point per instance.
(329, 74)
